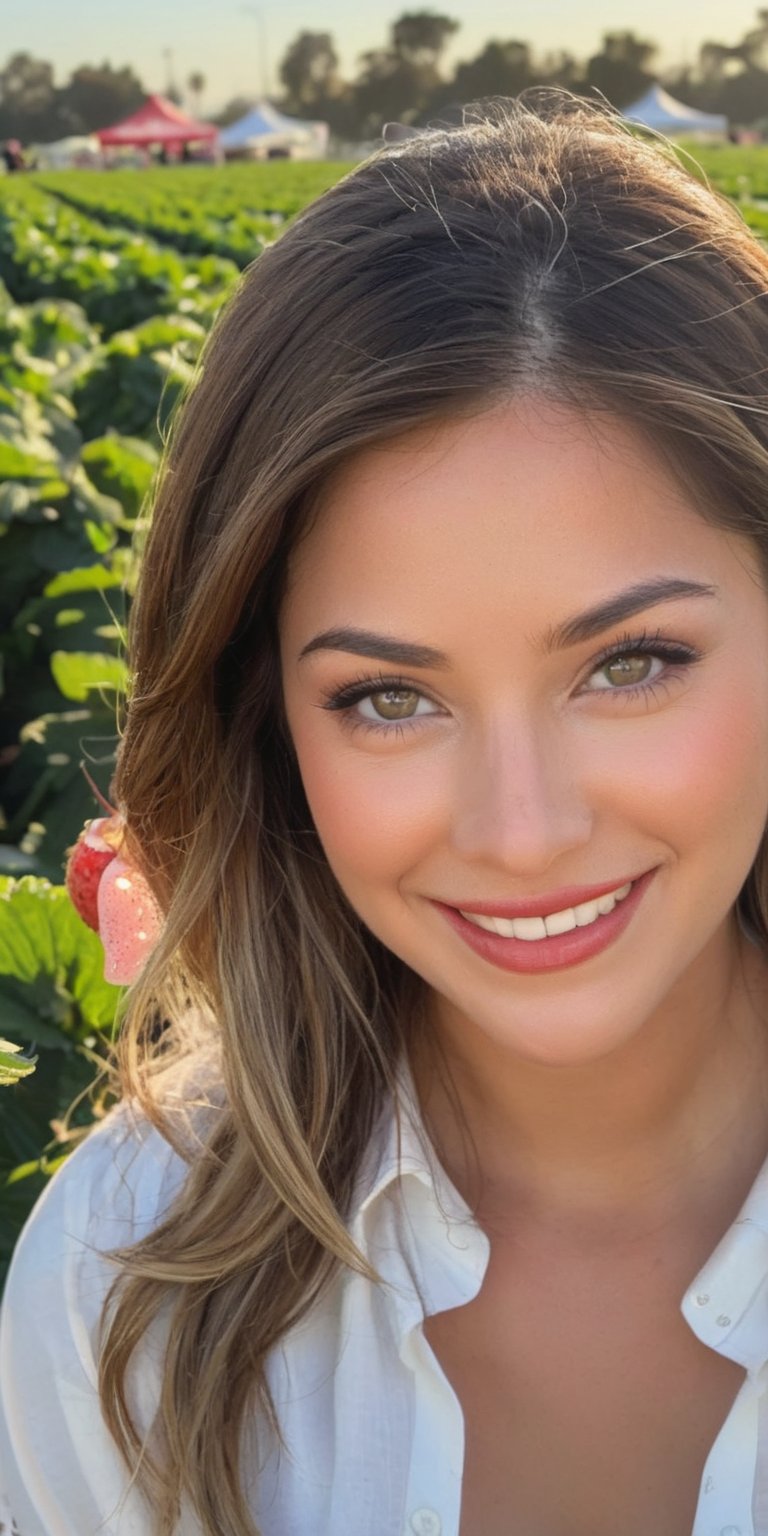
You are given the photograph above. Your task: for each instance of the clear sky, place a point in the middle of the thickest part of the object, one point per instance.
(224, 39)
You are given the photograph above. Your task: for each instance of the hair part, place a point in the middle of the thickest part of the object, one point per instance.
(539, 247)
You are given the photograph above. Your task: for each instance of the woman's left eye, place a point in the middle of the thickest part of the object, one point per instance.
(626, 671)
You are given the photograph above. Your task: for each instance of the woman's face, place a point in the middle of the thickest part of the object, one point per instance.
(522, 674)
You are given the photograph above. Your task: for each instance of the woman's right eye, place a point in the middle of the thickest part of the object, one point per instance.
(393, 704)
(379, 705)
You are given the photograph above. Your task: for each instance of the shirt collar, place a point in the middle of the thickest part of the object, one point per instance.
(447, 1253)
(727, 1303)
(409, 1220)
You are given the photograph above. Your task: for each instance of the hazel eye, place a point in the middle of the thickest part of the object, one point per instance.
(627, 671)
(392, 704)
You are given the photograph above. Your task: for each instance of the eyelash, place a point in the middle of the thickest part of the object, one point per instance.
(676, 656)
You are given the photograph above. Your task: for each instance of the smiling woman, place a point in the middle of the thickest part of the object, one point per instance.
(439, 1204)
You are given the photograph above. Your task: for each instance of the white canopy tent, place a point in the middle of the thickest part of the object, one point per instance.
(660, 111)
(77, 150)
(264, 130)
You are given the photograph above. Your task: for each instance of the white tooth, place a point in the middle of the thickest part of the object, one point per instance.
(560, 922)
(505, 927)
(586, 913)
(489, 923)
(529, 928)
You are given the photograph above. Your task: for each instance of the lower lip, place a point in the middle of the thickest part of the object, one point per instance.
(551, 954)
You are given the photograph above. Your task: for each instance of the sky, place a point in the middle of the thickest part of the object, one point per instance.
(237, 45)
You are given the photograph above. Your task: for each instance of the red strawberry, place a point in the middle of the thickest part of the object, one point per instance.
(98, 844)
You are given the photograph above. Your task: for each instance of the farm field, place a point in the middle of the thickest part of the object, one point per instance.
(109, 283)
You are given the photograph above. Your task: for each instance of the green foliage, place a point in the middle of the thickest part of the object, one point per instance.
(116, 277)
(231, 211)
(132, 382)
(54, 999)
(121, 467)
(100, 330)
(14, 1063)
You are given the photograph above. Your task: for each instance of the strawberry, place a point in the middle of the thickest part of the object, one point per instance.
(98, 844)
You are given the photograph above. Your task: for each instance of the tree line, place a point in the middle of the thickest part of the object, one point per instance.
(403, 80)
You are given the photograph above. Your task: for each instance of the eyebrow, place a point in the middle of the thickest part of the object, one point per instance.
(584, 626)
(364, 642)
(634, 599)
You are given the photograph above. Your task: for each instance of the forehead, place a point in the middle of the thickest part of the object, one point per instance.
(528, 506)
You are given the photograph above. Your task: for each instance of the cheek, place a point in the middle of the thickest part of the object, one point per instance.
(698, 774)
(376, 815)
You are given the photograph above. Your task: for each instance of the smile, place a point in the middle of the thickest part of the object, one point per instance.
(532, 942)
(554, 923)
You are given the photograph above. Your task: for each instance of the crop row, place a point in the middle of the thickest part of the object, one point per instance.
(117, 276)
(227, 211)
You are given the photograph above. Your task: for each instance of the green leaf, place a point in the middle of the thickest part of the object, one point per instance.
(102, 539)
(17, 464)
(77, 672)
(81, 579)
(13, 1064)
(47, 946)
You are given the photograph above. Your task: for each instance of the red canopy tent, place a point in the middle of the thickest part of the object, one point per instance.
(157, 122)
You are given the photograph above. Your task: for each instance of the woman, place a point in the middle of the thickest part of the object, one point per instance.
(441, 1206)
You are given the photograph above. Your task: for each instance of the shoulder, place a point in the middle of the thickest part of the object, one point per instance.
(111, 1191)
(60, 1473)
(117, 1185)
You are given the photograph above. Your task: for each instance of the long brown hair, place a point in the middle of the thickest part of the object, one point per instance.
(540, 246)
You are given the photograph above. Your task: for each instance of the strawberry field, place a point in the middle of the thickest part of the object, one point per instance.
(109, 282)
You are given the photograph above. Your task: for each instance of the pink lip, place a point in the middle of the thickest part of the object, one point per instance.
(542, 906)
(550, 954)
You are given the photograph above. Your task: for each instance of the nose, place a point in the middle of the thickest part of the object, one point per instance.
(521, 803)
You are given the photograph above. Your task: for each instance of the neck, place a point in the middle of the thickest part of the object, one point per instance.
(681, 1111)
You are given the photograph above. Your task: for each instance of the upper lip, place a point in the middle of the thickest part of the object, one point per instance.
(543, 906)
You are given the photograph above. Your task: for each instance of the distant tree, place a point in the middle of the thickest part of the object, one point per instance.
(27, 98)
(744, 97)
(753, 48)
(399, 82)
(234, 109)
(734, 77)
(420, 37)
(714, 60)
(559, 67)
(97, 95)
(388, 89)
(501, 69)
(687, 85)
(621, 72)
(196, 84)
(314, 87)
(310, 70)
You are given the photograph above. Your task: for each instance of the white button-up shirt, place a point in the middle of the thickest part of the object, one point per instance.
(374, 1436)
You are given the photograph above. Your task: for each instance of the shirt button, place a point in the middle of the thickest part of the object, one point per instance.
(725, 1322)
(731, 1530)
(426, 1522)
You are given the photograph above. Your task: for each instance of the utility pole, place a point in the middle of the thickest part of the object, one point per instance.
(170, 83)
(257, 12)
